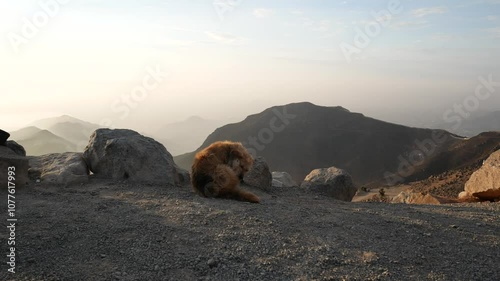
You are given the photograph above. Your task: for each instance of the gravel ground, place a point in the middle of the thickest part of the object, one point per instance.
(106, 231)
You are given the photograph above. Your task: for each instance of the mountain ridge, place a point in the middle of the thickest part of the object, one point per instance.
(46, 123)
(311, 137)
(46, 142)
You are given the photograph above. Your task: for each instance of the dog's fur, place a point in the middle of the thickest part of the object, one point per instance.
(218, 169)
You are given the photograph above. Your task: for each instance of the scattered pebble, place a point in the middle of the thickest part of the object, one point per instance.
(212, 263)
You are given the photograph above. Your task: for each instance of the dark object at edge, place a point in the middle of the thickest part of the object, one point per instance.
(4, 136)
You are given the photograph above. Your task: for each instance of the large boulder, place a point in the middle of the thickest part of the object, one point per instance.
(332, 182)
(128, 155)
(17, 148)
(484, 183)
(283, 179)
(410, 197)
(260, 175)
(59, 168)
(10, 161)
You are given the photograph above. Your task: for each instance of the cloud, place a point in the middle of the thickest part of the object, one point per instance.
(492, 18)
(263, 13)
(495, 32)
(297, 12)
(322, 26)
(422, 12)
(225, 38)
(478, 2)
(444, 37)
(410, 24)
(487, 1)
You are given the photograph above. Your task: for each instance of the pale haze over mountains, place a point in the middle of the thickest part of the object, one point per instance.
(66, 133)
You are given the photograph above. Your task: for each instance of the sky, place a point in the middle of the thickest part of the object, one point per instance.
(141, 64)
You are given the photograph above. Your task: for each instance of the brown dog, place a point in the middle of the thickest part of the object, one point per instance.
(218, 169)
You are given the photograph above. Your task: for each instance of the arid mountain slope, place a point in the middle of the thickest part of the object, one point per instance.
(298, 138)
(465, 158)
(464, 155)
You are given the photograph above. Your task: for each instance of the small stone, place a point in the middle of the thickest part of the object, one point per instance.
(454, 226)
(212, 263)
(157, 267)
(103, 255)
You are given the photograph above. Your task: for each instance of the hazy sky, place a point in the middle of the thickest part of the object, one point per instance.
(97, 59)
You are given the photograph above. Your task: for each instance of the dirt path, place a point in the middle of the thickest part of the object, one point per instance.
(104, 231)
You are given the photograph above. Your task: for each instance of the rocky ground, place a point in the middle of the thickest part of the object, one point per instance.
(448, 184)
(110, 231)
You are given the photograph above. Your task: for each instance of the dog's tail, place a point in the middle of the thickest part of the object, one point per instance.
(243, 195)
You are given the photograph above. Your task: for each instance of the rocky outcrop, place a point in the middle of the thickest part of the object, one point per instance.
(410, 197)
(332, 182)
(17, 148)
(4, 136)
(10, 161)
(59, 168)
(484, 183)
(128, 155)
(259, 176)
(283, 179)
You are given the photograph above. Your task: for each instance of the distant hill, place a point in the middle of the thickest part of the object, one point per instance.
(72, 129)
(47, 123)
(321, 136)
(77, 133)
(24, 133)
(187, 135)
(45, 142)
(74, 134)
(55, 135)
(476, 124)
